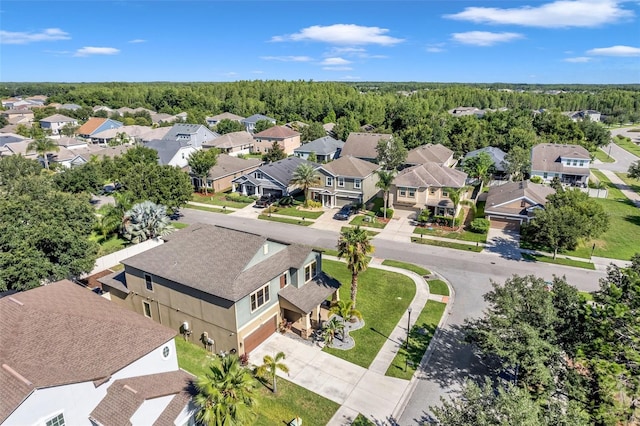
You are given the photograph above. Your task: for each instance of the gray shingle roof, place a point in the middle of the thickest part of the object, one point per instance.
(322, 146)
(231, 140)
(350, 167)
(310, 295)
(545, 157)
(166, 149)
(225, 116)
(58, 118)
(363, 145)
(214, 260)
(282, 170)
(512, 191)
(228, 165)
(257, 117)
(436, 153)
(497, 155)
(430, 174)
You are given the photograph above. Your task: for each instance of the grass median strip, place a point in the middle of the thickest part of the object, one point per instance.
(285, 220)
(409, 356)
(207, 209)
(634, 184)
(438, 287)
(613, 193)
(360, 221)
(408, 266)
(448, 244)
(294, 212)
(603, 156)
(559, 261)
(219, 200)
(628, 146)
(454, 235)
(369, 233)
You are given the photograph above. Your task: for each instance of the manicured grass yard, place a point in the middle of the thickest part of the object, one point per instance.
(285, 220)
(408, 266)
(559, 260)
(218, 199)
(634, 184)
(438, 287)
(454, 235)
(419, 338)
(179, 225)
(457, 246)
(603, 156)
(109, 245)
(290, 401)
(369, 233)
(292, 211)
(383, 297)
(375, 222)
(208, 209)
(627, 145)
(613, 192)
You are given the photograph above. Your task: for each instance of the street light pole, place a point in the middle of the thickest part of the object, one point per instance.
(408, 328)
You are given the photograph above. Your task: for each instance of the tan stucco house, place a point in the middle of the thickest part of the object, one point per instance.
(226, 169)
(347, 180)
(287, 138)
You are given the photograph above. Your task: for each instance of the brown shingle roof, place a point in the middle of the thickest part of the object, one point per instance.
(277, 132)
(124, 397)
(363, 145)
(311, 294)
(226, 116)
(224, 271)
(437, 153)
(430, 174)
(505, 194)
(545, 157)
(230, 140)
(82, 333)
(350, 167)
(91, 125)
(228, 165)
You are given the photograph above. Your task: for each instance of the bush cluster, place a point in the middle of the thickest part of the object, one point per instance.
(480, 225)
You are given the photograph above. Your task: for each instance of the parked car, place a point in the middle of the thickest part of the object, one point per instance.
(265, 200)
(344, 213)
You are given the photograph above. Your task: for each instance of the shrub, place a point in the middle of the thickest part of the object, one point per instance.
(389, 213)
(236, 196)
(313, 204)
(536, 179)
(286, 201)
(480, 225)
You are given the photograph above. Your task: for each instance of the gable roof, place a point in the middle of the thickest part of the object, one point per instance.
(231, 140)
(78, 328)
(351, 167)
(131, 131)
(190, 129)
(158, 133)
(322, 146)
(225, 273)
(546, 157)
(500, 196)
(310, 295)
(225, 116)
(497, 156)
(166, 149)
(113, 151)
(257, 117)
(277, 132)
(363, 145)
(228, 165)
(93, 123)
(282, 170)
(58, 118)
(430, 174)
(436, 153)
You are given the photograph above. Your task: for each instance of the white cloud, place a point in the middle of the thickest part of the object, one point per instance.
(337, 68)
(89, 50)
(615, 51)
(557, 14)
(579, 59)
(257, 72)
(138, 40)
(435, 49)
(351, 77)
(287, 58)
(345, 34)
(484, 38)
(335, 61)
(49, 34)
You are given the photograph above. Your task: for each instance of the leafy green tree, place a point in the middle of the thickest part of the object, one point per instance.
(305, 176)
(109, 221)
(270, 366)
(312, 132)
(69, 130)
(313, 157)
(14, 167)
(518, 163)
(354, 245)
(344, 126)
(201, 163)
(385, 179)
(226, 394)
(480, 166)
(276, 153)
(345, 309)
(146, 221)
(121, 138)
(42, 145)
(263, 125)
(164, 185)
(634, 170)
(138, 155)
(391, 152)
(85, 178)
(225, 126)
(594, 220)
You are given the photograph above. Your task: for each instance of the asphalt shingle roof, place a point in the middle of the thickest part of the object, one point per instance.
(545, 157)
(497, 155)
(282, 170)
(277, 132)
(363, 145)
(257, 117)
(58, 118)
(166, 149)
(512, 191)
(231, 140)
(310, 295)
(350, 167)
(228, 165)
(430, 174)
(322, 146)
(436, 153)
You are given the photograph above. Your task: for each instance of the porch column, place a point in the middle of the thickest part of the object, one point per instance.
(233, 187)
(307, 326)
(244, 189)
(257, 192)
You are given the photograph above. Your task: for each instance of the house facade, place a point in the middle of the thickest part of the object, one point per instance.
(95, 125)
(190, 134)
(569, 163)
(214, 120)
(54, 123)
(234, 143)
(250, 122)
(227, 168)
(272, 178)
(326, 149)
(514, 203)
(235, 298)
(172, 153)
(346, 181)
(287, 138)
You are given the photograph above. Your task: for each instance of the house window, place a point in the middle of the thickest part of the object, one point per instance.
(523, 203)
(357, 183)
(575, 162)
(340, 181)
(56, 421)
(258, 175)
(445, 193)
(148, 282)
(284, 280)
(310, 271)
(545, 175)
(432, 190)
(581, 163)
(329, 181)
(402, 191)
(147, 309)
(260, 297)
(412, 192)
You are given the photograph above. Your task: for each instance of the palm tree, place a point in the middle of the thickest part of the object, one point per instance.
(330, 329)
(354, 245)
(385, 178)
(305, 176)
(455, 195)
(110, 220)
(270, 367)
(144, 221)
(226, 394)
(42, 145)
(345, 309)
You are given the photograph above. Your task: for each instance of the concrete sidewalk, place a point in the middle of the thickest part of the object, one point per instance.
(619, 183)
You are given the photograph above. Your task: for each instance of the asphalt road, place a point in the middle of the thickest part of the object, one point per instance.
(470, 274)
(623, 158)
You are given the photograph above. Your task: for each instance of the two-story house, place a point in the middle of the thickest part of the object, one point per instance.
(272, 178)
(226, 169)
(363, 145)
(250, 122)
(427, 186)
(326, 149)
(69, 356)
(347, 180)
(227, 289)
(287, 138)
(569, 163)
(18, 116)
(194, 135)
(54, 123)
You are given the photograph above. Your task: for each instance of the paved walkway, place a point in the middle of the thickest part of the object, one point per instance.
(619, 183)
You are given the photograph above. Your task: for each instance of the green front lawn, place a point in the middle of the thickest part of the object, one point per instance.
(361, 420)
(290, 401)
(207, 209)
(438, 287)
(613, 191)
(293, 211)
(634, 184)
(457, 246)
(603, 156)
(285, 220)
(369, 233)
(109, 245)
(375, 222)
(179, 225)
(408, 266)
(627, 145)
(408, 359)
(383, 297)
(454, 235)
(559, 261)
(218, 199)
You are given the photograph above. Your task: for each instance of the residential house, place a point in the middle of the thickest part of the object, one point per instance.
(226, 169)
(287, 138)
(431, 153)
(112, 151)
(234, 297)
(584, 114)
(363, 145)
(102, 108)
(70, 107)
(328, 127)
(172, 153)
(272, 178)
(214, 120)
(250, 122)
(72, 143)
(347, 180)
(133, 133)
(497, 157)
(325, 148)
(162, 118)
(234, 143)
(96, 125)
(514, 203)
(54, 123)
(73, 156)
(463, 111)
(72, 357)
(18, 148)
(18, 116)
(427, 186)
(10, 137)
(569, 163)
(194, 135)
(158, 133)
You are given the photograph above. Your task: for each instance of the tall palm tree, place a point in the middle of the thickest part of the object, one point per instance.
(385, 179)
(270, 367)
(42, 145)
(145, 221)
(305, 176)
(345, 309)
(354, 245)
(226, 394)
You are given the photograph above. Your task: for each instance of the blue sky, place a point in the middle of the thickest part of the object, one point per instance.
(535, 41)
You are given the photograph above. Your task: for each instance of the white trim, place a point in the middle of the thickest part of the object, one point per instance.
(144, 311)
(265, 300)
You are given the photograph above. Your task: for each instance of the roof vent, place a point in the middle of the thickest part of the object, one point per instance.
(17, 375)
(130, 389)
(15, 301)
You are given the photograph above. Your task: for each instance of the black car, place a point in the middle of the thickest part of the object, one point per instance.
(344, 213)
(265, 201)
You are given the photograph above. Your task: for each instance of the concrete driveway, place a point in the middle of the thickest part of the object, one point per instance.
(503, 243)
